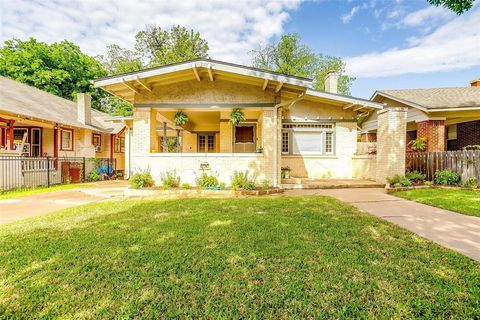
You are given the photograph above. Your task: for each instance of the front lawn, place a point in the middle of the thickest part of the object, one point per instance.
(285, 257)
(462, 201)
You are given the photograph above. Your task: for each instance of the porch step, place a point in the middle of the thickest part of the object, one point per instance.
(303, 183)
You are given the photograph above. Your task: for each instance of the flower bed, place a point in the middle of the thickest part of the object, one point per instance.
(199, 192)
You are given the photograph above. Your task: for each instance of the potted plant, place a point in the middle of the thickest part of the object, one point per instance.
(179, 119)
(285, 172)
(260, 149)
(236, 116)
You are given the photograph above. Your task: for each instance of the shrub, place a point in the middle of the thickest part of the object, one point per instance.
(428, 183)
(419, 144)
(206, 181)
(141, 180)
(399, 181)
(470, 183)
(240, 180)
(266, 184)
(170, 179)
(186, 186)
(447, 177)
(416, 177)
(94, 176)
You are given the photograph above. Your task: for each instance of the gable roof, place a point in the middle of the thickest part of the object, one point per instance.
(20, 99)
(117, 84)
(435, 99)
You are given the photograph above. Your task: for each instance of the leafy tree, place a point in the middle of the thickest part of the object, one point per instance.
(178, 44)
(119, 60)
(457, 6)
(59, 68)
(291, 57)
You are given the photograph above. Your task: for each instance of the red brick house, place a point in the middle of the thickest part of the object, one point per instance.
(448, 117)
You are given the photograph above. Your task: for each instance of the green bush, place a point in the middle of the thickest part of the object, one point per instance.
(470, 183)
(186, 186)
(206, 181)
(428, 183)
(416, 177)
(241, 180)
(447, 178)
(141, 180)
(399, 181)
(170, 179)
(266, 184)
(94, 176)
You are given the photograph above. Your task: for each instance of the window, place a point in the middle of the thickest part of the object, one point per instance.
(244, 134)
(119, 144)
(206, 142)
(36, 142)
(66, 139)
(97, 142)
(307, 139)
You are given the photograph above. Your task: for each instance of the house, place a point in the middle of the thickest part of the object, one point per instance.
(56, 127)
(287, 123)
(448, 117)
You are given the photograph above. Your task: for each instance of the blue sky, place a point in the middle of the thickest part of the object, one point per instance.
(386, 43)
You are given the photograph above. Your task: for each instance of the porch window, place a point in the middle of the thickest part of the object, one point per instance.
(36, 142)
(314, 139)
(66, 140)
(206, 142)
(97, 142)
(119, 144)
(244, 138)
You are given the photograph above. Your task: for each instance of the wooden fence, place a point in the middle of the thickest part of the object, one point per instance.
(466, 163)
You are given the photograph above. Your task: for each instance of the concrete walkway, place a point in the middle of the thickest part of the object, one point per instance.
(23, 207)
(449, 229)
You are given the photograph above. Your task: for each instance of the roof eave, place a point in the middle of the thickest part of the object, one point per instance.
(346, 99)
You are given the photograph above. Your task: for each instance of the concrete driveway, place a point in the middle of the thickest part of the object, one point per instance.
(449, 229)
(23, 207)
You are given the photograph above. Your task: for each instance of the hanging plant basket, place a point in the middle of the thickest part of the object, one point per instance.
(180, 118)
(237, 116)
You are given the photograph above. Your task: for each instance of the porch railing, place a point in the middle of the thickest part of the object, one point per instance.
(465, 162)
(18, 173)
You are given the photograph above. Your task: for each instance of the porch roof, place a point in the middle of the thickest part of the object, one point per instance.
(23, 101)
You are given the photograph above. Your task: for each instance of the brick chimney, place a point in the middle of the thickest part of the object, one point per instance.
(475, 82)
(84, 108)
(331, 82)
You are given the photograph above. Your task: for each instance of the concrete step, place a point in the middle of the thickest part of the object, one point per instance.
(304, 183)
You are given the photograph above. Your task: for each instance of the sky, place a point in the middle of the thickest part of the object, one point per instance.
(386, 44)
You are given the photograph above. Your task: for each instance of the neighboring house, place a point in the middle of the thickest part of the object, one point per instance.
(448, 117)
(56, 127)
(287, 124)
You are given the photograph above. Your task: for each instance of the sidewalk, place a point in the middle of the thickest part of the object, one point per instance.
(20, 208)
(450, 229)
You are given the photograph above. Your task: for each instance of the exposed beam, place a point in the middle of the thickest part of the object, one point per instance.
(279, 86)
(195, 72)
(349, 106)
(358, 108)
(143, 84)
(210, 72)
(265, 83)
(131, 87)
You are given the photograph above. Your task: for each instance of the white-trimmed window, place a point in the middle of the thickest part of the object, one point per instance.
(97, 142)
(119, 144)
(308, 139)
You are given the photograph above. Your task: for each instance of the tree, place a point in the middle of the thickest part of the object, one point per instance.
(58, 68)
(457, 6)
(291, 57)
(119, 60)
(160, 47)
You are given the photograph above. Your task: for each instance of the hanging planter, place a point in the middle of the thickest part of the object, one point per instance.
(179, 119)
(237, 116)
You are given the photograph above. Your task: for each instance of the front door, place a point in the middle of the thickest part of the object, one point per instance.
(206, 142)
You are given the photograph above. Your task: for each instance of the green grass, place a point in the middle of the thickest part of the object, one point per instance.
(32, 191)
(462, 201)
(285, 257)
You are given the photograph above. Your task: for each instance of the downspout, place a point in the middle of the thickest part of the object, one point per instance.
(275, 137)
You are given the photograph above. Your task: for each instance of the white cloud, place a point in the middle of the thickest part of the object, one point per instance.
(348, 16)
(430, 15)
(232, 28)
(453, 46)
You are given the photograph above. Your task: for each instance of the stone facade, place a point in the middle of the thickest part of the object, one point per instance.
(391, 144)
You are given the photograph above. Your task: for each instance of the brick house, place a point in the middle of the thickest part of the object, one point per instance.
(448, 117)
(287, 124)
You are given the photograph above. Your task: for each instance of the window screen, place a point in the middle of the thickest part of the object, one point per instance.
(307, 142)
(244, 134)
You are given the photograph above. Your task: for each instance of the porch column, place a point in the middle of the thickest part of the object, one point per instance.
(434, 131)
(269, 130)
(144, 131)
(11, 134)
(391, 144)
